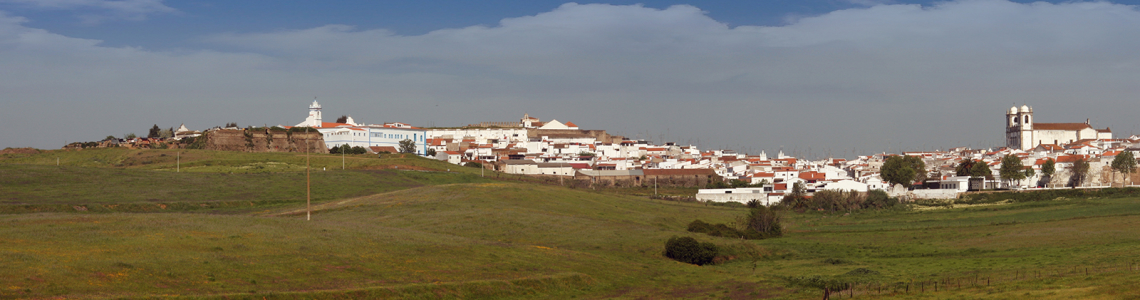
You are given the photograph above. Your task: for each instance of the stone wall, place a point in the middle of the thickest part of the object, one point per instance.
(264, 140)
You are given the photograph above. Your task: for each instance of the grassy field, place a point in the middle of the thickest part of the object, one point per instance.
(438, 234)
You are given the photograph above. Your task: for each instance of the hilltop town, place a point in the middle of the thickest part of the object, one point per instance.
(557, 149)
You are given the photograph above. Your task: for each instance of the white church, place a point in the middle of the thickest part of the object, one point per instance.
(377, 138)
(1022, 133)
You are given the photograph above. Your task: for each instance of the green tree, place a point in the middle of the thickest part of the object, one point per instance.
(899, 170)
(963, 168)
(407, 146)
(1029, 172)
(1047, 170)
(431, 152)
(109, 137)
(154, 132)
(1080, 170)
(980, 170)
(919, 167)
(1011, 169)
(1124, 163)
(342, 119)
(130, 136)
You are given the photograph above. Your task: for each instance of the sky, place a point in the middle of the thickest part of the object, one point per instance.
(813, 78)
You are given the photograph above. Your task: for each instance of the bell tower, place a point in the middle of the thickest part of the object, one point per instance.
(1019, 128)
(315, 113)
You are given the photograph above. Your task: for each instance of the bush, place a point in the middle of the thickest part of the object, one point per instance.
(763, 220)
(879, 199)
(688, 250)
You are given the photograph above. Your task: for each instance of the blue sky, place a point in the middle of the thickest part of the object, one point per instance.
(833, 76)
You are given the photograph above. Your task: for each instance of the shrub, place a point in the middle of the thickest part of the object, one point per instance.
(753, 203)
(879, 199)
(764, 220)
(722, 230)
(836, 261)
(688, 250)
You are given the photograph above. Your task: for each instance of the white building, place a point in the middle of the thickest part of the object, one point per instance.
(741, 195)
(1022, 133)
(356, 135)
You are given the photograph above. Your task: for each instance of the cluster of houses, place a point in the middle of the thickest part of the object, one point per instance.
(561, 149)
(554, 148)
(171, 139)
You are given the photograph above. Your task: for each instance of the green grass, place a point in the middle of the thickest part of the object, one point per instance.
(456, 235)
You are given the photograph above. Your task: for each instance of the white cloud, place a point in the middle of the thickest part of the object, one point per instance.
(864, 78)
(97, 11)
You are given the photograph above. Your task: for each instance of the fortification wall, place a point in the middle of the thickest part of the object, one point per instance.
(264, 140)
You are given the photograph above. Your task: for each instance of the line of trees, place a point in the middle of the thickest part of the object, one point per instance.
(833, 201)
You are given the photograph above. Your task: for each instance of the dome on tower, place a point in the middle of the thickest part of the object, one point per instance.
(1025, 108)
(1013, 110)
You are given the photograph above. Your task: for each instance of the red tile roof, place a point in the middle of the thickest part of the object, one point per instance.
(1068, 158)
(331, 124)
(1061, 126)
(813, 176)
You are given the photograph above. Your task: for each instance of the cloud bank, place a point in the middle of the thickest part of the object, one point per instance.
(97, 11)
(857, 80)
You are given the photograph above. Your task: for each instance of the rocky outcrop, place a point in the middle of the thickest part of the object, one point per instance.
(264, 140)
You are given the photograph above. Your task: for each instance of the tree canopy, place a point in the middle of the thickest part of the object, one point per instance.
(1048, 168)
(1124, 163)
(407, 146)
(904, 170)
(980, 170)
(1080, 170)
(963, 168)
(1011, 169)
(154, 132)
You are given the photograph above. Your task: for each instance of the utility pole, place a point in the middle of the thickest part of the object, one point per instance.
(308, 182)
(178, 162)
(655, 185)
(57, 161)
(342, 157)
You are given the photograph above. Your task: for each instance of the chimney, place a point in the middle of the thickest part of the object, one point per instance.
(1086, 121)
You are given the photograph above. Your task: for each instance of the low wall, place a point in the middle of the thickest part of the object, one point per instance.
(933, 194)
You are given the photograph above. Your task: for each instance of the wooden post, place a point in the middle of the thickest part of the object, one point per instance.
(308, 181)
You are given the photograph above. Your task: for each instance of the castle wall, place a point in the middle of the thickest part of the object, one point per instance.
(264, 140)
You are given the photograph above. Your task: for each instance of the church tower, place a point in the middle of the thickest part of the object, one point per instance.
(314, 118)
(1019, 127)
(315, 112)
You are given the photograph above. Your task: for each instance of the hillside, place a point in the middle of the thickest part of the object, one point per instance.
(459, 236)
